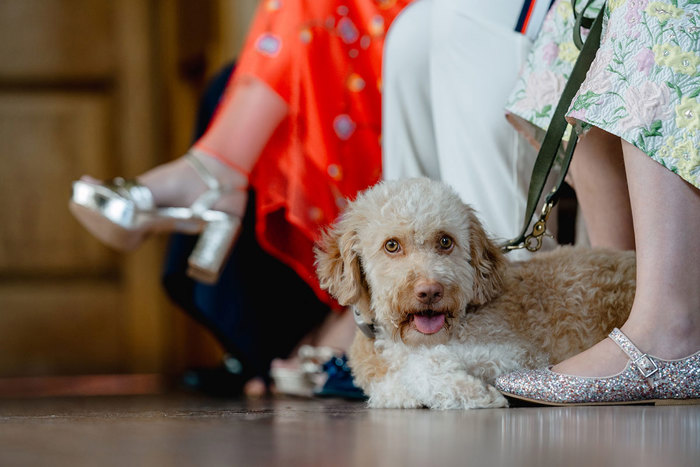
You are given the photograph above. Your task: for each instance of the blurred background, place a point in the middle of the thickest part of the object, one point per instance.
(100, 87)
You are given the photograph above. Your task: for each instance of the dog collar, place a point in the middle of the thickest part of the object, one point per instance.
(368, 329)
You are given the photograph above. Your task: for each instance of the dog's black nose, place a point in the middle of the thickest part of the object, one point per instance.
(428, 292)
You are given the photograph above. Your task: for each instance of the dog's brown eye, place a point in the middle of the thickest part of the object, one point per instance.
(392, 246)
(446, 242)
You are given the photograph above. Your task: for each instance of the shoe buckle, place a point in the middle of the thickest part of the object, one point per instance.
(646, 366)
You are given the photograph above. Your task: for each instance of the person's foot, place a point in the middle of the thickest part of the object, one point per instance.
(177, 184)
(603, 359)
(255, 388)
(301, 372)
(336, 333)
(677, 336)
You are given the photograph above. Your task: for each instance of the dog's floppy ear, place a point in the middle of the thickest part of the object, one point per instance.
(338, 264)
(488, 262)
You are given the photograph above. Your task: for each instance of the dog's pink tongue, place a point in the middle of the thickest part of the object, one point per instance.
(429, 324)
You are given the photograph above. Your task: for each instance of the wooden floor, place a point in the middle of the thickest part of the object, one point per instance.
(176, 430)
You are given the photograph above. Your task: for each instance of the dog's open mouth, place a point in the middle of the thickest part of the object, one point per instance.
(429, 321)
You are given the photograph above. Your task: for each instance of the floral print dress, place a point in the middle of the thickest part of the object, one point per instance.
(642, 86)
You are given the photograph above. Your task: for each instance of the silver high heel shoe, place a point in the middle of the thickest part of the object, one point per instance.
(645, 380)
(122, 214)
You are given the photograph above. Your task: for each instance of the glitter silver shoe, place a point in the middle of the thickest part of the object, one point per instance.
(645, 380)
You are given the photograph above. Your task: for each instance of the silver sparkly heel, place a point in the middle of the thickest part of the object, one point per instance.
(645, 380)
(213, 247)
(122, 214)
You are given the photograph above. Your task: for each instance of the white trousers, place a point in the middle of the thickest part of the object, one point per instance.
(449, 66)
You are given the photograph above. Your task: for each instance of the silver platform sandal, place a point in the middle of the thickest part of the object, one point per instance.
(122, 213)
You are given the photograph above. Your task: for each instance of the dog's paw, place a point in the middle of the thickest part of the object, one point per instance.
(394, 401)
(388, 394)
(473, 393)
(494, 398)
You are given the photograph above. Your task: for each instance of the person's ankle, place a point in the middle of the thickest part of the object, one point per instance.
(674, 335)
(230, 176)
(178, 184)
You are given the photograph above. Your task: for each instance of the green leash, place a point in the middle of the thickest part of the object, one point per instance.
(547, 154)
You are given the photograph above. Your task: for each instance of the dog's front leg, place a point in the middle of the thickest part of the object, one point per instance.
(391, 392)
(367, 365)
(432, 378)
(381, 375)
(471, 392)
(455, 391)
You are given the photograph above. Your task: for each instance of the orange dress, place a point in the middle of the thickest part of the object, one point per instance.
(323, 57)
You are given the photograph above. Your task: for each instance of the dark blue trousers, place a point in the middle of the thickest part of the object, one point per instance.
(260, 308)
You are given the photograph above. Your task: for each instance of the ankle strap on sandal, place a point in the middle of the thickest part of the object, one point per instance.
(646, 366)
(211, 181)
(207, 199)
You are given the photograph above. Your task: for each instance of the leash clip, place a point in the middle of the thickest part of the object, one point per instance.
(533, 240)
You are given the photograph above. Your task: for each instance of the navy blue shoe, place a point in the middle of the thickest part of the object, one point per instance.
(340, 382)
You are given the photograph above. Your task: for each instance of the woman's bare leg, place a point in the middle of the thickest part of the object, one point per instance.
(665, 316)
(247, 118)
(598, 176)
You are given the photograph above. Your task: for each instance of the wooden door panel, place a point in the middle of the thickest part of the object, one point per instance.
(78, 82)
(48, 138)
(56, 40)
(104, 87)
(61, 327)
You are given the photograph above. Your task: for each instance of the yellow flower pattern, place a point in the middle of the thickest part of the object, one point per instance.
(568, 52)
(685, 63)
(673, 56)
(666, 150)
(687, 160)
(663, 11)
(564, 10)
(614, 4)
(665, 53)
(688, 114)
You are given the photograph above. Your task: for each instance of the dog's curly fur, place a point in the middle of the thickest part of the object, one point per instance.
(408, 252)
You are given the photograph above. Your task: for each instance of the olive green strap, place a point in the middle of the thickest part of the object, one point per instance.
(581, 21)
(551, 143)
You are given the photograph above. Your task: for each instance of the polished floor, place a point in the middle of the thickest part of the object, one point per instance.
(175, 430)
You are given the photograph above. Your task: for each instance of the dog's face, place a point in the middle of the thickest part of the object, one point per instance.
(409, 256)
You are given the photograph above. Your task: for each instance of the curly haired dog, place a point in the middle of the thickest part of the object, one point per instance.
(448, 313)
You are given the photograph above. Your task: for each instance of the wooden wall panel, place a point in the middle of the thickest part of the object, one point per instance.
(106, 88)
(49, 137)
(233, 22)
(78, 91)
(61, 328)
(56, 39)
